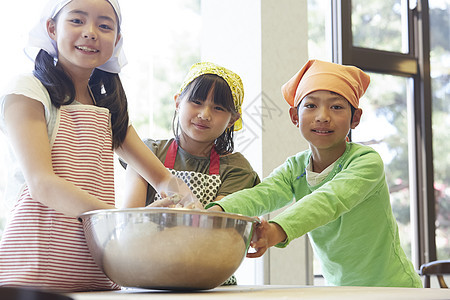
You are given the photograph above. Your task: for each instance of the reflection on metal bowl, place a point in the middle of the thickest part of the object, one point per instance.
(167, 248)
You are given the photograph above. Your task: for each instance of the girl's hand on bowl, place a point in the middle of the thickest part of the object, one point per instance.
(176, 201)
(176, 193)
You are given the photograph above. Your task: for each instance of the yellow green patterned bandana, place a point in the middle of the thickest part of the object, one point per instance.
(233, 80)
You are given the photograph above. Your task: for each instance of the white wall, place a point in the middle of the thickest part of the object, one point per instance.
(265, 42)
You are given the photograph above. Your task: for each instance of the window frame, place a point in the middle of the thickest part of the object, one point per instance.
(414, 64)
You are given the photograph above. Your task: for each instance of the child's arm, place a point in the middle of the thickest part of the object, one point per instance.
(135, 189)
(144, 161)
(215, 208)
(27, 132)
(218, 198)
(137, 155)
(265, 236)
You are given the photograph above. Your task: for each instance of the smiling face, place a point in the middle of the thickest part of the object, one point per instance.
(324, 119)
(86, 32)
(202, 121)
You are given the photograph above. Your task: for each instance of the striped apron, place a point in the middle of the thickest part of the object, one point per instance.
(45, 248)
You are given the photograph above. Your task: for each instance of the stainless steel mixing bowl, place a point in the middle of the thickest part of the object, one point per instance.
(167, 248)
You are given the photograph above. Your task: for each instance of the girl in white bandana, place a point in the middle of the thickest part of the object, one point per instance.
(63, 122)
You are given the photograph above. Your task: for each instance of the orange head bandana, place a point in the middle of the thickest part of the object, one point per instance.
(348, 81)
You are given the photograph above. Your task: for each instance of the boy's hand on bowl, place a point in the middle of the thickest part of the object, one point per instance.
(215, 208)
(265, 235)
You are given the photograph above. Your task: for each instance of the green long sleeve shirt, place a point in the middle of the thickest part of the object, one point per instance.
(348, 217)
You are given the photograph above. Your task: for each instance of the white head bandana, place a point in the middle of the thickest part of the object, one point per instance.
(39, 39)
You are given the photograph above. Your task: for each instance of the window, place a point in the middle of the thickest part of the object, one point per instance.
(159, 55)
(440, 86)
(379, 25)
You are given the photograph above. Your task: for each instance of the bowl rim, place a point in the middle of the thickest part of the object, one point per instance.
(169, 210)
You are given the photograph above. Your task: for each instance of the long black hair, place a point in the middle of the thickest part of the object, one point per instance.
(106, 88)
(199, 89)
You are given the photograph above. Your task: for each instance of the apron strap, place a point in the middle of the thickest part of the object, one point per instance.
(214, 158)
(169, 162)
(214, 162)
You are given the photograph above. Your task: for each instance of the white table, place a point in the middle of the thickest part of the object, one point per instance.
(273, 292)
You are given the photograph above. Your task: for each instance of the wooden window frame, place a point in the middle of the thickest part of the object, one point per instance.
(415, 65)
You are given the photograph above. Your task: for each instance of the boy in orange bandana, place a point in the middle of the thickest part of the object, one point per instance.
(340, 191)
